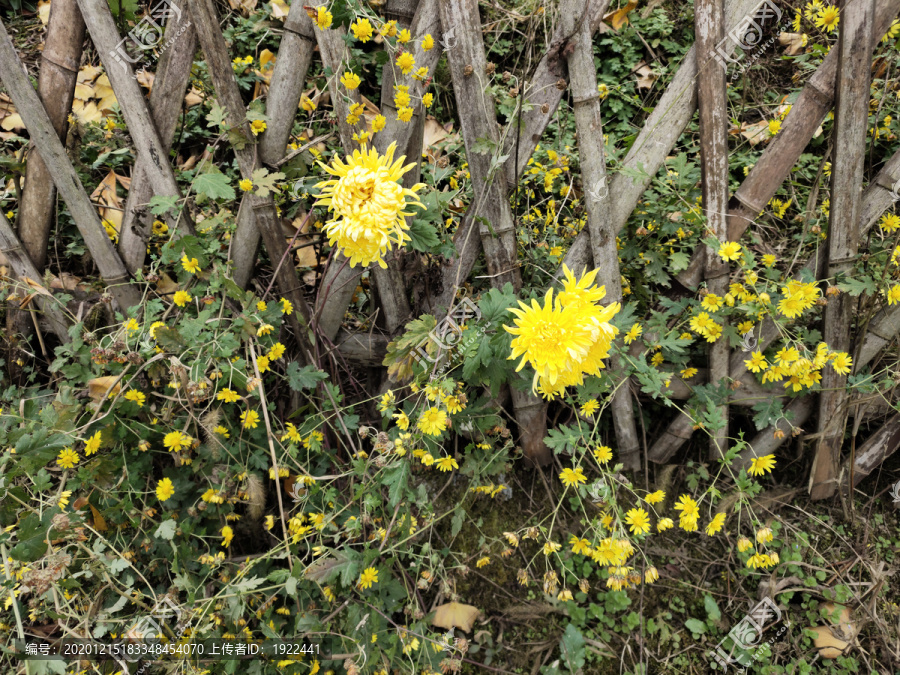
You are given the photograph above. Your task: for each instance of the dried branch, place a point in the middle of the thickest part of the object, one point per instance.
(855, 44)
(47, 142)
(172, 77)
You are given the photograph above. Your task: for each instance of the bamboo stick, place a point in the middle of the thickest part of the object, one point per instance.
(589, 130)
(340, 280)
(712, 104)
(491, 203)
(884, 328)
(855, 43)
(876, 197)
(102, 28)
(657, 138)
(543, 94)
(286, 87)
(56, 85)
(245, 241)
(390, 282)
(257, 213)
(781, 154)
(869, 456)
(28, 274)
(44, 136)
(173, 74)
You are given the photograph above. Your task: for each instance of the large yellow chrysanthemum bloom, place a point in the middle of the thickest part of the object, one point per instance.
(368, 204)
(567, 337)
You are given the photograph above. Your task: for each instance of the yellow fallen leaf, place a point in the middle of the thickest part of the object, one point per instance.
(99, 520)
(265, 58)
(619, 18)
(279, 9)
(86, 112)
(455, 615)
(44, 11)
(12, 122)
(88, 73)
(98, 386)
(793, 41)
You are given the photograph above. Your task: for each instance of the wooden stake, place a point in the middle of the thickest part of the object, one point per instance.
(491, 201)
(56, 86)
(257, 213)
(172, 77)
(882, 330)
(29, 275)
(875, 200)
(855, 43)
(47, 142)
(782, 153)
(102, 28)
(592, 159)
(712, 103)
(340, 280)
(286, 86)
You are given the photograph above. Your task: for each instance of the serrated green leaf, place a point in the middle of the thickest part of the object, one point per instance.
(214, 186)
(306, 377)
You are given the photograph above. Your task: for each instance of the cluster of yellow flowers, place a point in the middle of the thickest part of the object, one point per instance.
(567, 337)
(800, 371)
(615, 552)
(369, 204)
(363, 31)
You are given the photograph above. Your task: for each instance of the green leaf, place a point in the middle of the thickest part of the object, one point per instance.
(265, 182)
(306, 377)
(423, 236)
(245, 585)
(572, 648)
(166, 530)
(712, 609)
(696, 626)
(396, 479)
(214, 186)
(856, 286)
(161, 205)
(216, 116)
(679, 260)
(456, 522)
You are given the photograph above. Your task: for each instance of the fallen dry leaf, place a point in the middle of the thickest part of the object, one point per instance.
(619, 17)
(244, 6)
(165, 285)
(98, 386)
(86, 112)
(646, 76)
(455, 615)
(828, 645)
(793, 41)
(754, 133)
(12, 122)
(279, 9)
(44, 11)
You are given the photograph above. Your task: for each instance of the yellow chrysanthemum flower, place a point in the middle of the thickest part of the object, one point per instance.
(761, 465)
(362, 30)
(565, 338)
(369, 204)
(433, 421)
(164, 489)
